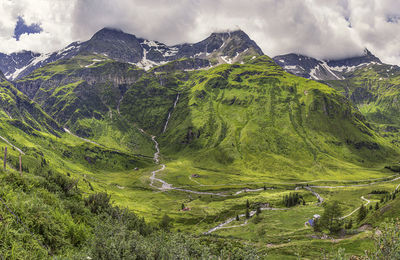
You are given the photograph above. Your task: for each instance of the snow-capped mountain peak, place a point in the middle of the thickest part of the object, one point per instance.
(225, 47)
(334, 69)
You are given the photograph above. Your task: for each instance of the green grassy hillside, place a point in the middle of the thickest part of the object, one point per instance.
(257, 122)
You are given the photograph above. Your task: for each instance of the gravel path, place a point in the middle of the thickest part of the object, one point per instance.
(354, 211)
(230, 220)
(8, 142)
(84, 139)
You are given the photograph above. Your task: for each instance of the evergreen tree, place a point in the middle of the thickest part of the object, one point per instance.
(166, 222)
(183, 206)
(237, 217)
(317, 225)
(265, 188)
(362, 213)
(258, 211)
(377, 206)
(330, 219)
(247, 213)
(292, 200)
(247, 204)
(349, 224)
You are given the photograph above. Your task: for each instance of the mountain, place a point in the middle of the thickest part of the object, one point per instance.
(374, 90)
(311, 68)
(12, 64)
(94, 89)
(218, 48)
(370, 85)
(251, 116)
(20, 64)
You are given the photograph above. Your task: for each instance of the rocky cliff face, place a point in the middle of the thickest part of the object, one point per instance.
(78, 92)
(13, 63)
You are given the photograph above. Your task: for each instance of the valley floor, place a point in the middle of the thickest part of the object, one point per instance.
(207, 202)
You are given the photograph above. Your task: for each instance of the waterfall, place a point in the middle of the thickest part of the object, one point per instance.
(170, 112)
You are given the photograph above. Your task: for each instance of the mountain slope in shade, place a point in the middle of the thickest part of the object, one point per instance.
(311, 68)
(218, 48)
(21, 112)
(15, 62)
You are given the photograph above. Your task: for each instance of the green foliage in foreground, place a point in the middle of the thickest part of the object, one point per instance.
(386, 245)
(53, 218)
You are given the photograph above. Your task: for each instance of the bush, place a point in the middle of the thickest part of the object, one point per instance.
(98, 203)
(386, 242)
(166, 222)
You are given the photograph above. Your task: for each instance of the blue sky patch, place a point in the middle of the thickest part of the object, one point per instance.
(21, 27)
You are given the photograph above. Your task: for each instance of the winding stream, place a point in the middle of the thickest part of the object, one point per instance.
(167, 186)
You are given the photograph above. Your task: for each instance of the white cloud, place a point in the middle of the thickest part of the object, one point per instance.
(318, 28)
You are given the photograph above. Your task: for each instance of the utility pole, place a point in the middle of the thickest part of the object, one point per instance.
(5, 158)
(20, 165)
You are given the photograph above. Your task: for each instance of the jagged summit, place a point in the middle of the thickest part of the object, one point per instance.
(115, 44)
(110, 33)
(366, 58)
(308, 67)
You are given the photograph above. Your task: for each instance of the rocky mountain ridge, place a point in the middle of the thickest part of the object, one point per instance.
(218, 48)
(311, 68)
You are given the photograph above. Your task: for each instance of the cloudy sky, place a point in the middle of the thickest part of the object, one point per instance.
(318, 28)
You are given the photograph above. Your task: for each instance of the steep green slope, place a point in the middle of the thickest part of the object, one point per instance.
(375, 91)
(17, 109)
(253, 118)
(84, 95)
(256, 119)
(84, 86)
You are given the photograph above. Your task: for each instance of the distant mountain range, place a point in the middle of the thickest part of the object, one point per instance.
(227, 47)
(311, 68)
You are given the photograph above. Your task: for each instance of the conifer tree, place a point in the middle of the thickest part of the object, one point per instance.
(362, 213)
